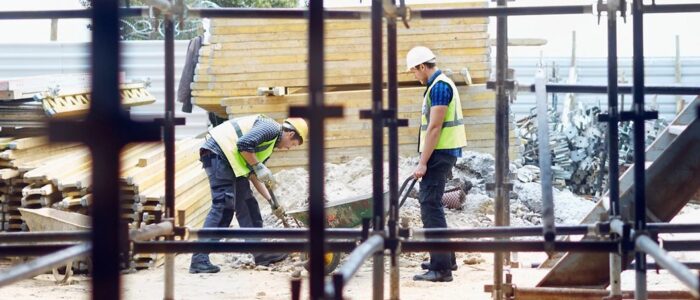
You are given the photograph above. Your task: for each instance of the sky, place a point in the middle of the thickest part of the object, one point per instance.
(660, 29)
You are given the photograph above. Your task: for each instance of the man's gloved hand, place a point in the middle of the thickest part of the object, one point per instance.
(264, 174)
(279, 213)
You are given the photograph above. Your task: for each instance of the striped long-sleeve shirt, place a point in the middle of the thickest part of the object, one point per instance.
(264, 129)
(441, 94)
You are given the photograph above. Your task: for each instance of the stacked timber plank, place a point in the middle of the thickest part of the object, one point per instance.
(245, 54)
(17, 156)
(349, 137)
(34, 173)
(59, 176)
(29, 102)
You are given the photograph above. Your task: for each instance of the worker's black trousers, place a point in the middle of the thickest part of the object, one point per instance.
(228, 193)
(432, 213)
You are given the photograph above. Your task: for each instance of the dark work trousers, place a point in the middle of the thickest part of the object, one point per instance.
(228, 193)
(432, 186)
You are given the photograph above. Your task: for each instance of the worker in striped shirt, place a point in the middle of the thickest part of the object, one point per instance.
(440, 142)
(234, 156)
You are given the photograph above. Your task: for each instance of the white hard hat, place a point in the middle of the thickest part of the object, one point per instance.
(418, 55)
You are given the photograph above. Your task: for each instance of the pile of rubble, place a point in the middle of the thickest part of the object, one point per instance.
(472, 172)
(579, 147)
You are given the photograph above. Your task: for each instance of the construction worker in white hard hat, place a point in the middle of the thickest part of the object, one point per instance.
(234, 156)
(441, 139)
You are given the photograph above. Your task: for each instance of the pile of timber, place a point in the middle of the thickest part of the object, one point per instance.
(29, 102)
(245, 54)
(17, 156)
(59, 176)
(35, 173)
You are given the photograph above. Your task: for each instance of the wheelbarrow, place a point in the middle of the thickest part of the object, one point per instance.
(49, 219)
(347, 213)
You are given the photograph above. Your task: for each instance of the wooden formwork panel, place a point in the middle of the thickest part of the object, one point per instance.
(244, 54)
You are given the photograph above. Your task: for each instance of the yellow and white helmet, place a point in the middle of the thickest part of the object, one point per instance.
(299, 125)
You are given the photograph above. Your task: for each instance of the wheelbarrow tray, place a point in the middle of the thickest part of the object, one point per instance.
(344, 213)
(49, 219)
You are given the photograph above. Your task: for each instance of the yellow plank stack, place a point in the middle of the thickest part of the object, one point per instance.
(245, 54)
(58, 175)
(17, 156)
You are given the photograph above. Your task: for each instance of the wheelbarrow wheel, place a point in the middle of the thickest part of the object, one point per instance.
(65, 277)
(330, 261)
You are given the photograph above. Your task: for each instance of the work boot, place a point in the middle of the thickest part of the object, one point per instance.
(203, 267)
(426, 265)
(434, 276)
(265, 259)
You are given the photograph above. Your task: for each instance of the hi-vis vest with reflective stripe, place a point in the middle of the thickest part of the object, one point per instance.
(227, 134)
(452, 134)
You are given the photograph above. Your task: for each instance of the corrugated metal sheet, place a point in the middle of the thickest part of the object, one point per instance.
(659, 71)
(141, 60)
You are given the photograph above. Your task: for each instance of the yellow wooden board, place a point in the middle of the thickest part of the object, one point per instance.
(472, 53)
(299, 44)
(341, 66)
(351, 33)
(225, 27)
(235, 49)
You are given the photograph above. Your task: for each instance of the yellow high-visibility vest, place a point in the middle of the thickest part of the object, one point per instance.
(453, 134)
(226, 136)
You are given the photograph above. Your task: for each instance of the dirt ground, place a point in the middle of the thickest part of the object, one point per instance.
(239, 279)
(238, 283)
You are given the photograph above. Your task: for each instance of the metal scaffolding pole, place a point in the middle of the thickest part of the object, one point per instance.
(67, 14)
(392, 92)
(44, 236)
(504, 245)
(545, 158)
(352, 264)
(671, 8)
(639, 147)
(169, 143)
(598, 228)
(270, 233)
(240, 246)
(613, 114)
(238, 13)
(621, 89)
(377, 145)
(501, 172)
(315, 114)
(274, 13)
(500, 11)
(614, 262)
(43, 264)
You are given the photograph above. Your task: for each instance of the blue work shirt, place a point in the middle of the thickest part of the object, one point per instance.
(441, 94)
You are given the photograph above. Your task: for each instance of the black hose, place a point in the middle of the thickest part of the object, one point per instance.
(403, 196)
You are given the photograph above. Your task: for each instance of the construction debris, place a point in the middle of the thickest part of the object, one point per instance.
(579, 151)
